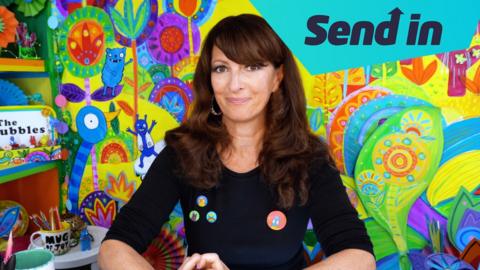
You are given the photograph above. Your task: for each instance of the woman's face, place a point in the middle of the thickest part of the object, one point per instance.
(242, 91)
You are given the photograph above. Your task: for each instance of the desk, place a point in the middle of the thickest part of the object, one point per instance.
(75, 257)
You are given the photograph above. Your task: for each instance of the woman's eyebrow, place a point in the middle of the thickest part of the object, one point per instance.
(219, 60)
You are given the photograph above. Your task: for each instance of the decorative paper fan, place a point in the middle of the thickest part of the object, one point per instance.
(8, 25)
(443, 261)
(30, 7)
(6, 3)
(11, 94)
(166, 251)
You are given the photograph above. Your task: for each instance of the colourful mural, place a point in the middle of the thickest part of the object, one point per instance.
(405, 134)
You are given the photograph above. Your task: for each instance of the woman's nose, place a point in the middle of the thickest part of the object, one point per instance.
(236, 81)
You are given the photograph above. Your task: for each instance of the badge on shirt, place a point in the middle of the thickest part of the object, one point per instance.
(276, 220)
(211, 216)
(202, 201)
(194, 215)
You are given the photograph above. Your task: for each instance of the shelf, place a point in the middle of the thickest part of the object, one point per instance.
(21, 65)
(13, 173)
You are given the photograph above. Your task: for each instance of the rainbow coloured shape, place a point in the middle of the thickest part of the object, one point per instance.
(460, 137)
(166, 252)
(364, 121)
(174, 96)
(339, 118)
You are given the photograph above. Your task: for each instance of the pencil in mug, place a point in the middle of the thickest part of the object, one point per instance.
(52, 220)
(36, 219)
(57, 218)
(45, 221)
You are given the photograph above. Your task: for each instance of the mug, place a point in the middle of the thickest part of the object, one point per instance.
(57, 241)
(34, 259)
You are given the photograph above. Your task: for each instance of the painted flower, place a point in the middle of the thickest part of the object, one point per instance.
(8, 26)
(120, 189)
(199, 10)
(169, 41)
(101, 215)
(134, 26)
(83, 39)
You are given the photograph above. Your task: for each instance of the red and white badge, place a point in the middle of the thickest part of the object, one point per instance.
(276, 220)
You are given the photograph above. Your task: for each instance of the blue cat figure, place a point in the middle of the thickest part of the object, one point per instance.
(144, 139)
(112, 71)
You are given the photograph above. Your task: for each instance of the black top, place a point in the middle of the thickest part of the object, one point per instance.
(242, 202)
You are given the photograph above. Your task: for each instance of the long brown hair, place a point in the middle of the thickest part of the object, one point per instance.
(288, 144)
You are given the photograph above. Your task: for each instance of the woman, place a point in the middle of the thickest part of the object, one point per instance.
(247, 170)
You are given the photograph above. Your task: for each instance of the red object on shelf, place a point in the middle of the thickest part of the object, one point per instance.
(19, 243)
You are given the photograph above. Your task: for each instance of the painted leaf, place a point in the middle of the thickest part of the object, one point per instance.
(460, 171)
(105, 95)
(125, 107)
(326, 93)
(129, 81)
(316, 119)
(473, 85)
(115, 125)
(144, 87)
(384, 70)
(395, 166)
(72, 92)
(418, 74)
(141, 18)
(118, 20)
(128, 14)
(463, 220)
(383, 244)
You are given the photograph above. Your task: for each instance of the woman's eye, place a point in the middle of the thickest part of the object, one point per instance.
(254, 67)
(219, 69)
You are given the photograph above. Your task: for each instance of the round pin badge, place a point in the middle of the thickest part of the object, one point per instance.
(211, 217)
(194, 215)
(202, 201)
(276, 220)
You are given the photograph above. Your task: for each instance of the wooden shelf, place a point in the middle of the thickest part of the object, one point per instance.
(13, 173)
(21, 65)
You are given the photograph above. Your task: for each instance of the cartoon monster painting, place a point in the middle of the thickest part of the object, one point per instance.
(144, 139)
(112, 72)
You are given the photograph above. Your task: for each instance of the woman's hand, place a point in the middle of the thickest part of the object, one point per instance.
(207, 261)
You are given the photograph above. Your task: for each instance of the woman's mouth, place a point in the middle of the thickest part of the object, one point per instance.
(237, 100)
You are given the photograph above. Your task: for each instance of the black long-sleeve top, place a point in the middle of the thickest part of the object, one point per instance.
(241, 202)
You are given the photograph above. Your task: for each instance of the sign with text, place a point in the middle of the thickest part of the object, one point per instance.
(18, 125)
(329, 35)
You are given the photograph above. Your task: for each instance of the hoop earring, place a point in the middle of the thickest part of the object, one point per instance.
(212, 108)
